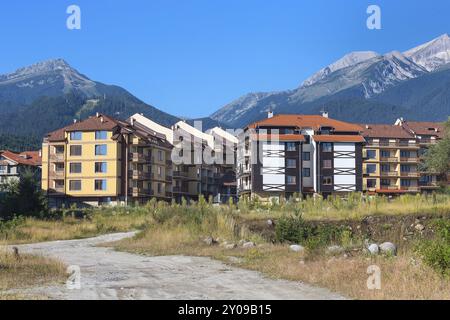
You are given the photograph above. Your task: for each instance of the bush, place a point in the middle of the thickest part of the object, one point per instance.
(436, 253)
(314, 236)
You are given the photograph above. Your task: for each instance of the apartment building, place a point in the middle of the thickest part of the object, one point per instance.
(201, 160)
(102, 160)
(391, 160)
(13, 165)
(299, 154)
(427, 134)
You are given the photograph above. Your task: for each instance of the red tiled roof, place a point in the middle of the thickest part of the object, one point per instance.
(338, 138)
(94, 123)
(385, 131)
(279, 137)
(425, 128)
(29, 158)
(307, 121)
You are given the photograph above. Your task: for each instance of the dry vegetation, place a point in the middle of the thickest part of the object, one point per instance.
(23, 271)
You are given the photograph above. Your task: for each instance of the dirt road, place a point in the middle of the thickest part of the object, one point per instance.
(108, 274)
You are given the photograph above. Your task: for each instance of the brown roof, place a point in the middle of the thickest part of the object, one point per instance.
(279, 137)
(425, 128)
(385, 131)
(94, 123)
(338, 138)
(307, 121)
(28, 158)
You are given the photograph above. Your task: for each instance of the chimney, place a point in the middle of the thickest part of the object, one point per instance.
(270, 114)
(97, 115)
(132, 121)
(102, 120)
(75, 121)
(325, 114)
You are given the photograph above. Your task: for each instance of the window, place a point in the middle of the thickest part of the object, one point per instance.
(58, 184)
(307, 139)
(100, 185)
(59, 167)
(290, 146)
(291, 180)
(385, 168)
(406, 183)
(3, 169)
(160, 156)
(327, 164)
(405, 154)
(76, 135)
(426, 179)
(159, 188)
(371, 168)
(75, 151)
(288, 131)
(385, 182)
(292, 163)
(371, 183)
(371, 154)
(327, 181)
(59, 149)
(101, 135)
(101, 150)
(405, 168)
(306, 156)
(385, 153)
(327, 147)
(306, 172)
(75, 185)
(75, 168)
(101, 167)
(160, 172)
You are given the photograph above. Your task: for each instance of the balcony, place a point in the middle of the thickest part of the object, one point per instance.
(410, 189)
(180, 190)
(57, 157)
(180, 174)
(389, 174)
(410, 160)
(140, 175)
(139, 157)
(410, 174)
(389, 159)
(140, 192)
(394, 145)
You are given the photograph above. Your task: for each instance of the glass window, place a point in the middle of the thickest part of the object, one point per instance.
(406, 183)
(327, 181)
(327, 164)
(371, 183)
(100, 185)
(307, 139)
(75, 185)
(385, 153)
(288, 131)
(101, 135)
(75, 168)
(385, 182)
(292, 163)
(405, 168)
(159, 172)
(59, 149)
(160, 155)
(59, 184)
(159, 188)
(101, 167)
(371, 154)
(306, 156)
(291, 180)
(3, 169)
(290, 146)
(306, 172)
(385, 168)
(59, 167)
(76, 135)
(75, 151)
(405, 154)
(371, 168)
(327, 147)
(101, 150)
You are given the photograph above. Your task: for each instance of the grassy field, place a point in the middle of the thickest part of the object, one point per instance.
(181, 229)
(23, 271)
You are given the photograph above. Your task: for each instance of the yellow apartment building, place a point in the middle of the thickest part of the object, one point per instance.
(390, 160)
(102, 160)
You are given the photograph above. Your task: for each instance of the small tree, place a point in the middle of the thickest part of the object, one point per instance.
(437, 158)
(22, 198)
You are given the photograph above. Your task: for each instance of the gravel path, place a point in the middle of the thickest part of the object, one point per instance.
(108, 274)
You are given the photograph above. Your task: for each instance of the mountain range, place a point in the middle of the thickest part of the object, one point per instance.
(362, 87)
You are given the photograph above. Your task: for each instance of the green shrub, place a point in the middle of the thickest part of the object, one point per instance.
(436, 253)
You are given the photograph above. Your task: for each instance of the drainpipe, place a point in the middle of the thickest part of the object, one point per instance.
(127, 139)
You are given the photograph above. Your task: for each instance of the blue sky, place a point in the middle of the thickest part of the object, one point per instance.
(190, 57)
